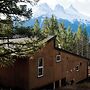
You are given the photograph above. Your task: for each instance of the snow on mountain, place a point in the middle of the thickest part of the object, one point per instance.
(41, 10)
(75, 15)
(71, 10)
(70, 13)
(59, 11)
(58, 7)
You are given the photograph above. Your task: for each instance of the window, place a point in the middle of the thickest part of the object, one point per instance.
(40, 67)
(58, 58)
(77, 68)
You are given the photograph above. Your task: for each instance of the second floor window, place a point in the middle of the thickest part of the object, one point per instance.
(58, 58)
(40, 67)
(77, 68)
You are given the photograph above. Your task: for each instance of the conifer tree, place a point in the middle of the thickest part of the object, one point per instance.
(45, 27)
(85, 42)
(36, 28)
(53, 25)
(69, 40)
(10, 7)
(61, 36)
(79, 40)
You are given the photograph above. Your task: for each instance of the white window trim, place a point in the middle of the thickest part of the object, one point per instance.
(42, 72)
(58, 60)
(41, 67)
(78, 68)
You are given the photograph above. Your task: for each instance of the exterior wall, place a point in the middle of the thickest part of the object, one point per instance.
(58, 67)
(70, 63)
(15, 75)
(7, 76)
(24, 73)
(47, 53)
(54, 71)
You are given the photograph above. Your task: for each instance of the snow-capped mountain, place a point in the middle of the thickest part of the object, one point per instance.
(59, 11)
(42, 10)
(69, 15)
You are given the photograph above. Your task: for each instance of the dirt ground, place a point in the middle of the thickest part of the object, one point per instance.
(83, 85)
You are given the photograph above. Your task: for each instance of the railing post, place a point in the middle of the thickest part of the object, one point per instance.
(53, 85)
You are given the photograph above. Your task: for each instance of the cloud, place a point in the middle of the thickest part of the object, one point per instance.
(82, 6)
(51, 3)
(72, 9)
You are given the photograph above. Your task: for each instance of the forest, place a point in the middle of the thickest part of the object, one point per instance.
(75, 42)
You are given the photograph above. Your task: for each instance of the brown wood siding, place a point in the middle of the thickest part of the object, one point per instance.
(70, 63)
(47, 53)
(7, 76)
(58, 67)
(53, 70)
(24, 72)
(16, 75)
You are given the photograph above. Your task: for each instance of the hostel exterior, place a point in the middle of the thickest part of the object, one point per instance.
(45, 66)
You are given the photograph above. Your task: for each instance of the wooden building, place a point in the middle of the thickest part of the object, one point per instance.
(47, 65)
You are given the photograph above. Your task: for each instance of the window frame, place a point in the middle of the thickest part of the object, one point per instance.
(77, 68)
(41, 67)
(59, 57)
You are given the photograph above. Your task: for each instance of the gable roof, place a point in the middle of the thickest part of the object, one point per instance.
(47, 39)
(19, 40)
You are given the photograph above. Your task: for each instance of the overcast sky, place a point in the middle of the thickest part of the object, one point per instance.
(83, 6)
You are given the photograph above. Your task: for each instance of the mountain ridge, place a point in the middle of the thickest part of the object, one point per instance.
(70, 16)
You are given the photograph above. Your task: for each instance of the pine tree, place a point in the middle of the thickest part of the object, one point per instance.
(53, 25)
(79, 40)
(6, 28)
(85, 42)
(36, 28)
(45, 27)
(69, 40)
(61, 36)
(10, 7)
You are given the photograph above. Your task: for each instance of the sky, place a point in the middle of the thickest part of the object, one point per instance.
(82, 6)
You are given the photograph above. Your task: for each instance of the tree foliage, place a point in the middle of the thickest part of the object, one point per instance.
(8, 7)
(23, 31)
(75, 42)
(53, 25)
(8, 54)
(45, 27)
(6, 27)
